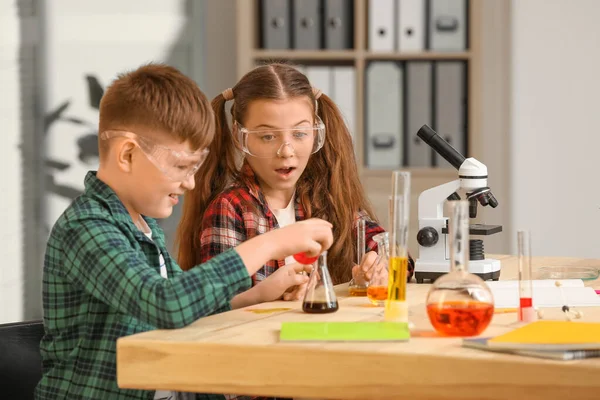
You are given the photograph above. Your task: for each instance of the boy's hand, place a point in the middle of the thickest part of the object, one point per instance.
(312, 236)
(362, 273)
(281, 280)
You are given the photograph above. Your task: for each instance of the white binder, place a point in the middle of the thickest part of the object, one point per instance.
(384, 112)
(344, 95)
(411, 25)
(447, 25)
(381, 25)
(319, 77)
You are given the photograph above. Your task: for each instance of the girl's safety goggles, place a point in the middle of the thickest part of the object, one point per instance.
(269, 143)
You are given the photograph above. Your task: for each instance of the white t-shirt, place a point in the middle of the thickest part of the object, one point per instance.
(164, 394)
(161, 259)
(286, 216)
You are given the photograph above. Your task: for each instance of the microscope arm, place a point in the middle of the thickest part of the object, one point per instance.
(431, 201)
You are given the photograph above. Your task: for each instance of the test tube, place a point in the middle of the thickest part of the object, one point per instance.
(360, 240)
(526, 310)
(396, 307)
(356, 288)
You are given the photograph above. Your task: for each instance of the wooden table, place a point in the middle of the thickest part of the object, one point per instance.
(240, 352)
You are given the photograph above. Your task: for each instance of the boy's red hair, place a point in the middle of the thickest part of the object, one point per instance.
(158, 97)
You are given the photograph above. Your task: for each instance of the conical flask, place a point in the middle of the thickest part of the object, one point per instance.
(320, 297)
(459, 303)
(377, 292)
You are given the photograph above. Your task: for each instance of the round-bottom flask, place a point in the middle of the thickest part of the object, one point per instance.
(459, 303)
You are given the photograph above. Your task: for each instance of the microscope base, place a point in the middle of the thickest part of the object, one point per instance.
(488, 269)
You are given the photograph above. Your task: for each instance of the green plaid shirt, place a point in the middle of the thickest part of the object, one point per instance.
(102, 282)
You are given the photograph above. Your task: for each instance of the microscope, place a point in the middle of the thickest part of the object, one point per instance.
(434, 255)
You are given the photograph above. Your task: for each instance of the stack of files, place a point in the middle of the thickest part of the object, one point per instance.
(339, 83)
(306, 24)
(559, 340)
(400, 98)
(416, 25)
(545, 294)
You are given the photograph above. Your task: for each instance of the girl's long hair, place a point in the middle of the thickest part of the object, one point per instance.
(329, 188)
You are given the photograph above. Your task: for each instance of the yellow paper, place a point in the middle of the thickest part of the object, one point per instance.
(554, 334)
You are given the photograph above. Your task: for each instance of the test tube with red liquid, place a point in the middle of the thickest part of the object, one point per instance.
(526, 310)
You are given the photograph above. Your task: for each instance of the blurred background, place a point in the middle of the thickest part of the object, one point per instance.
(511, 83)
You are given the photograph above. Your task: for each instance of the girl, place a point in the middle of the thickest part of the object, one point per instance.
(288, 156)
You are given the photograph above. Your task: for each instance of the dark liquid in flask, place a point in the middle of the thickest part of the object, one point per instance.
(320, 307)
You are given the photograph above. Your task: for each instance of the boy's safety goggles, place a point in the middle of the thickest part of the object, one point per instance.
(269, 143)
(176, 165)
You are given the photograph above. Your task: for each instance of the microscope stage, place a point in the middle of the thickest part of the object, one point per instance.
(488, 269)
(480, 229)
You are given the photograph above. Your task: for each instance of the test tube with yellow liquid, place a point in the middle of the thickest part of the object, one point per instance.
(396, 308)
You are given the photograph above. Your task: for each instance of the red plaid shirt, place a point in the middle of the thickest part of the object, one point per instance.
(241, 213)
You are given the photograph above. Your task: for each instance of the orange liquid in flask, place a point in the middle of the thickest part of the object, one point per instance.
(457, 318)
(377, 294)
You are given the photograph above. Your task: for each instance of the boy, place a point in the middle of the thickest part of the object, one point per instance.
(107, 273)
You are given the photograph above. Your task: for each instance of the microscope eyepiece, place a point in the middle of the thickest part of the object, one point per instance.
(440, 146)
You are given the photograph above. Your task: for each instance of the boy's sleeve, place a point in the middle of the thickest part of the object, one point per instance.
(222, 229)
(100, 258)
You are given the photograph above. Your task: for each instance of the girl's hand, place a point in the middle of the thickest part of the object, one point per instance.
(281, 280)
(362, 273)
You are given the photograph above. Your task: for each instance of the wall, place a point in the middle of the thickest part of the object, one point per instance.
(554, 142)
(494, 121)
(11, 121)
(56, 57)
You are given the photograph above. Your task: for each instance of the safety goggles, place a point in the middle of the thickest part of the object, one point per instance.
(176, 165)
(270, 143)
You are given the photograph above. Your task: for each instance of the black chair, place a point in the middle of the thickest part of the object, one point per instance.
(20, 359)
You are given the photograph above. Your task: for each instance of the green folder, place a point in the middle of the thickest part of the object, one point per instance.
(344, 331)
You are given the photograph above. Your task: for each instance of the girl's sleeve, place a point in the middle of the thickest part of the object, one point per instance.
(222, 229)
(372, 228)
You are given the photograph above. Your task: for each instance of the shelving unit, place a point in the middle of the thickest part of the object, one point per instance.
(375, 181)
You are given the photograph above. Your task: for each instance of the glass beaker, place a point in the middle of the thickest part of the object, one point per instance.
(358, 287)
(396, 307)
(320, 297)
(459, 303)
(377, 292)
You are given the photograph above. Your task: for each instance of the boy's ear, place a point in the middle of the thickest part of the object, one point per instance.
(125, 155)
